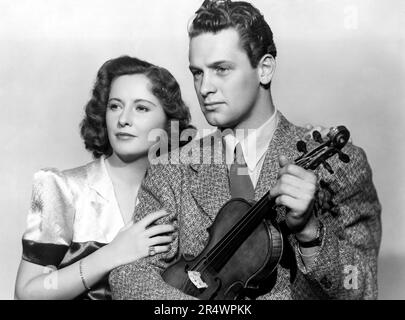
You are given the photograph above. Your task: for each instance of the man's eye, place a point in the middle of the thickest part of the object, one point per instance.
(221, 70)
(196, 74)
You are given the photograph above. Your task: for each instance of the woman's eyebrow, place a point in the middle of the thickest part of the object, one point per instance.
(144, 100)
(116, 99)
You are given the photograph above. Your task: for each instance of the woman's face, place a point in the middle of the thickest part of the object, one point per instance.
(132, 112)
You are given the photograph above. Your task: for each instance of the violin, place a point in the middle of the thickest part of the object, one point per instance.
(245, 243)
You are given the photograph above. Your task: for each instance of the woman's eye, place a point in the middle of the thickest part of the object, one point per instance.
(113, 106)
(142, 108)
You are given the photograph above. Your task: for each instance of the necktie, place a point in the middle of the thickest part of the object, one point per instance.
(240, 183)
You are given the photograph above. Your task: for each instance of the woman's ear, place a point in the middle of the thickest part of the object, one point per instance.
(266, 68)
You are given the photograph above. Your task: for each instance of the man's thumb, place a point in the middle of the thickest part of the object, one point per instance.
(283, 161)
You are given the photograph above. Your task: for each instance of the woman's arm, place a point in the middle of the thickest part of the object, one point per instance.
(40, 282)
(132, 243)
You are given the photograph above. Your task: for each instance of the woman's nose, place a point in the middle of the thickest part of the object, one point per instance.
(125, 118)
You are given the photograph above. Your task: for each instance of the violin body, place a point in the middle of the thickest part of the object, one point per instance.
(247, 271)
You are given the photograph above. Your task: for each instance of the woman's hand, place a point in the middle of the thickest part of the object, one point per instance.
(134, 240)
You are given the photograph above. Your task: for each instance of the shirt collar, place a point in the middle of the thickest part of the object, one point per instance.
(99, 179)
(254, 145)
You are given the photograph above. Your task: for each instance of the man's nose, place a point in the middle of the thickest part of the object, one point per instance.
(207, 85)
(125, 117)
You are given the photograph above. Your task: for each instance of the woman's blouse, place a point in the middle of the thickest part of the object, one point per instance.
(73, 213)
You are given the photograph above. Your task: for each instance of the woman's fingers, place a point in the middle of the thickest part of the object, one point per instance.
(152, 217)
(160, 240)
(158, 249)
(155, 230)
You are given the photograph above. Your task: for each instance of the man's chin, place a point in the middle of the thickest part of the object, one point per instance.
(218, 122)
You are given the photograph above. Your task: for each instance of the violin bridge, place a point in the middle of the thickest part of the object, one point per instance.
(195, 278)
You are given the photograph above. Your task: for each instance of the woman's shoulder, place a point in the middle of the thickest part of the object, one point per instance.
(69, 178)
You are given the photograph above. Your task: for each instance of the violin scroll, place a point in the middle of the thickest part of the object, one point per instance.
(337, 138)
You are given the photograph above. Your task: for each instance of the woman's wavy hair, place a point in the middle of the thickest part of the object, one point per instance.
(165, 88)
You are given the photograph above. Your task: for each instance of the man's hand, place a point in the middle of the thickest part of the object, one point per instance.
(322, 130)
(295, 189)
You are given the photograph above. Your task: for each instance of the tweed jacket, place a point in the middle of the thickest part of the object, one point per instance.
(193, 191)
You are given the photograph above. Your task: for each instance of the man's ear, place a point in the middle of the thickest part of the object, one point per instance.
(266, 68)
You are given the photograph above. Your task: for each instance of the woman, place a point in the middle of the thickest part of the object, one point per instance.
(76, 232)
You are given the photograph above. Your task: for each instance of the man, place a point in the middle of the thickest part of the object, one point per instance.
(332, 235)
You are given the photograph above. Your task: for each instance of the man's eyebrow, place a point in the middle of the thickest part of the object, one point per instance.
(211, 65)
(218, 63)
(193, 68)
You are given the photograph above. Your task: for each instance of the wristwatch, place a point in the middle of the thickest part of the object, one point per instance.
(318, 239)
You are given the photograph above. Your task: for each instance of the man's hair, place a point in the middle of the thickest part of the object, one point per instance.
(256, 37)
(164, 87)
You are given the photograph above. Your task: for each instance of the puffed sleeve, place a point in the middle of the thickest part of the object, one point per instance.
(50, 219)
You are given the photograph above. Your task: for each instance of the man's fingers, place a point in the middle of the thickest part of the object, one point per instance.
(297, 171)
(322, 130)
(297, 183)
(299, 192)
(297, 207)
(283, 161)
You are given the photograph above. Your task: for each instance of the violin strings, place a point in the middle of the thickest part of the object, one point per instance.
(230, 236)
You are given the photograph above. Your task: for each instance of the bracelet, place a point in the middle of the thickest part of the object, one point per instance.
(82, 277)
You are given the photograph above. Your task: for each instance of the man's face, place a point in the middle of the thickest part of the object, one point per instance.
(226, 84)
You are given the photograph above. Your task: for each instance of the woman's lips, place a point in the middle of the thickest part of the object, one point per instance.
(124, 136)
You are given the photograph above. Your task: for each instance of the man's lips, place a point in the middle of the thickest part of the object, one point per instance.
(210, 106)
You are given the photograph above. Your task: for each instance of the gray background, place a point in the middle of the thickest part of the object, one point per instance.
(340, 62)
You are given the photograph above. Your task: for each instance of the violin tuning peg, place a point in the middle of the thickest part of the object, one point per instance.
(302, 146)
(344, 157)
(317, 136)
(327, 167)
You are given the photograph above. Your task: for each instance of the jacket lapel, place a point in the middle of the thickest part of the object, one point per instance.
(283, 143)
(209, 184)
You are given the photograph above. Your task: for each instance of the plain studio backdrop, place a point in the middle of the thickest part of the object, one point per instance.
(339, 62)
